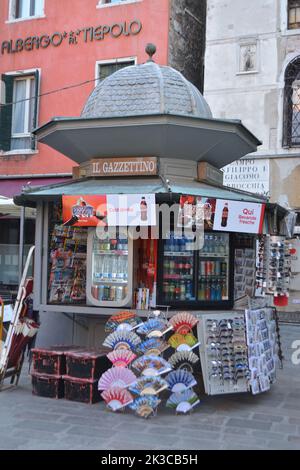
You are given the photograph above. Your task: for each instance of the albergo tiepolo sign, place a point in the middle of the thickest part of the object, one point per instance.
(87, 34)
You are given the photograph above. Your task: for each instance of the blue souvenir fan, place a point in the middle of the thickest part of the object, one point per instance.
(153, 346)
(154, 328)
(151, 366)
(148, 386)
(180, 380)
(122, 340)
(145, 406)
(183, 402)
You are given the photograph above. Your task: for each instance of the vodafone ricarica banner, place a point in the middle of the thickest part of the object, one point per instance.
(237, 216)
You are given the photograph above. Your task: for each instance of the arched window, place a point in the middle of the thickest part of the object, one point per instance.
(291, 110)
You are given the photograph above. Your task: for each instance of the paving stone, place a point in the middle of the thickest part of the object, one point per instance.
(198, 444)
(267, 418)
(294, 439)
(284, 428)
(90, 431)
(250, 424)
(282, 445)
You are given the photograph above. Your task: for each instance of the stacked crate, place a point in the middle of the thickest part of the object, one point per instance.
(68, 372)
(83, 370)
(49, 366)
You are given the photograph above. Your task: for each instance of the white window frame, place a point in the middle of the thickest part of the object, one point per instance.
(27, 104)
(20, 73)
(111, 61)
(102, 4)
(284, 12)
(247, 42)
(12, 13)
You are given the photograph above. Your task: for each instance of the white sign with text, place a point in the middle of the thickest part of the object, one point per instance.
(237, 216)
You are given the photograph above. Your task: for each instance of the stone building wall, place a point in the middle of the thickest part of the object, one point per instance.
(187, 39)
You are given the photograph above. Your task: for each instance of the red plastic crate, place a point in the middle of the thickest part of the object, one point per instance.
(82, 390)
(48, 386)
(87, 364)
(52, 360)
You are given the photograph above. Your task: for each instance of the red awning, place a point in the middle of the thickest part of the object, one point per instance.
(11, 187)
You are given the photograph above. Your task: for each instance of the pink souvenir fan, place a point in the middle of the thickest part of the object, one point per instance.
(183, 322)
(116, 377)
(121, 357)
(117, 398)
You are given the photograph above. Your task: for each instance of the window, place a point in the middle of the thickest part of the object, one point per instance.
(291, 111)
(293, 14)
(18, 115)
(26, 8)
(105, 69)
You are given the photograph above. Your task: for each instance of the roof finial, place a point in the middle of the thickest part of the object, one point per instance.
(150, 50)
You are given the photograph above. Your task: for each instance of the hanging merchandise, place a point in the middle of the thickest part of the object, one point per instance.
(154, 328)
(183, 342)
(67, 265)
(152, 346)
(148, 386)
(224, 354)
(122, 321)
(145, 406)
(185, 360)
(262, 348)
(273, 268)
(180, 380)
(121, 357)
(183, 402)
(183, 322)
(122, 340)
(116, 377)
(117, 398)
(151, 366)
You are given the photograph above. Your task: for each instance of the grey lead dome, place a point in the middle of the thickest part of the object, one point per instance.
(144, 90)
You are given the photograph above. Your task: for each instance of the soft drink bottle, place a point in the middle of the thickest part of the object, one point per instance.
(225, 214)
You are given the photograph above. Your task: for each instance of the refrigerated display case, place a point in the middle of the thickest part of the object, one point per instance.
(109, 268)
(201, 277)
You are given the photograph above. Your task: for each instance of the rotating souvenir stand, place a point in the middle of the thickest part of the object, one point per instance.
(273, 266)
(223, 353)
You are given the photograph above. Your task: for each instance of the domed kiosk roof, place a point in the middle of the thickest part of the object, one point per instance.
(146, 89)
(144, 110)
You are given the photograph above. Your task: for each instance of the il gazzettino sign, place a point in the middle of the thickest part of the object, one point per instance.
(238, 216)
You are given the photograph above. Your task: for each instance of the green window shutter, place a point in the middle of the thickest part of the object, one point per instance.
(36, 104)
(6, 114)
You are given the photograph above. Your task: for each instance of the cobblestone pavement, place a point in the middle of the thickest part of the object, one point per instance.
(267, 421)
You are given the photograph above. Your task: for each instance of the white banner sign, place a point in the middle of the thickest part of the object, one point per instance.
(248, 175)
(237, 216)
(131, 210)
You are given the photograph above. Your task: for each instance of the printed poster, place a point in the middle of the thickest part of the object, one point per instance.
(238, 216)
(125, 210)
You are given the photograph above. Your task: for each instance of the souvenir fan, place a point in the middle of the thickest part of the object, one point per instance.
(151, 365)
(121, 357)
(180, 380)
(122, 340)
(153, 346)
(145, 406)
(122, 321)
(117, 398)
(154, 328)
(184, 360)
(116, 377)
(183, 322)
(148, 386)
(183, 402)
(183, 342)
